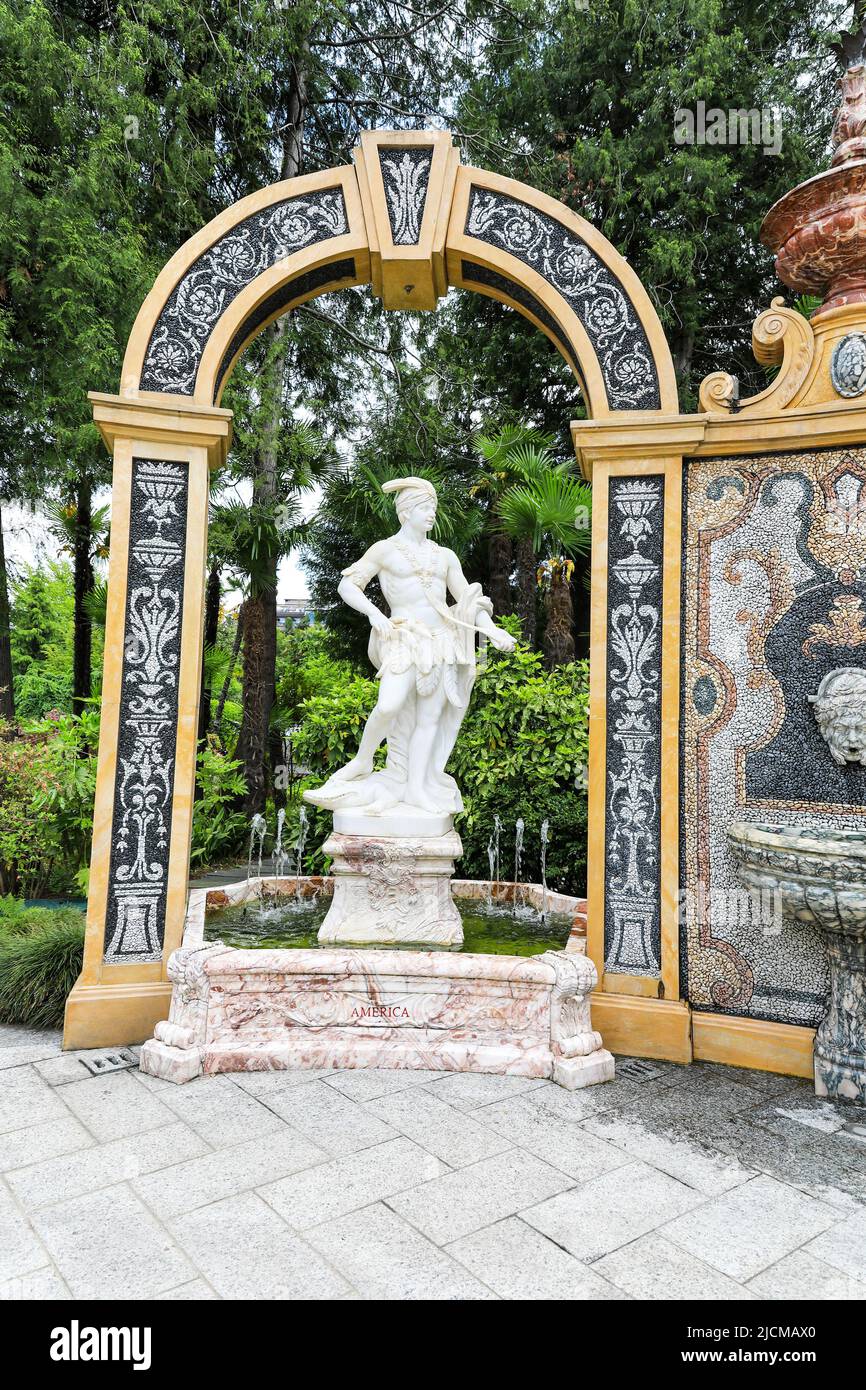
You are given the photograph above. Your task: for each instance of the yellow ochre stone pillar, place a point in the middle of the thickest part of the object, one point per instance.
(163, 448)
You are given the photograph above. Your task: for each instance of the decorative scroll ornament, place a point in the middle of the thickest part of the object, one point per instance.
(633, 756)
(405, 175)
(840, 709)
(780, 337)
(196, 304)
(148, 713)
(585, 282)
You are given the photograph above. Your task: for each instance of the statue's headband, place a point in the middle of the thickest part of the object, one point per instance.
(410, 491)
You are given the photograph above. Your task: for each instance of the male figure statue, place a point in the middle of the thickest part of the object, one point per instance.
(424, 655)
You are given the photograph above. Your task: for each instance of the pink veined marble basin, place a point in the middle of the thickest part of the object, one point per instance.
(265, 1010)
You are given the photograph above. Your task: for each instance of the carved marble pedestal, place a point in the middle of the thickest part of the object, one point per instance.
(392, 889)
(820, 878)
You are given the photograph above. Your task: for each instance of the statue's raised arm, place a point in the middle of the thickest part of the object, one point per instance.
(424, 655)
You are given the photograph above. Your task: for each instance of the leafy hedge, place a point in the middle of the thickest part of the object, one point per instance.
(522, 752)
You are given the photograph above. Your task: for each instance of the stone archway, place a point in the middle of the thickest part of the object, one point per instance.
(412, 221)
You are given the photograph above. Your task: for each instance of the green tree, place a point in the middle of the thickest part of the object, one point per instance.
(586, 112)
(550, 511)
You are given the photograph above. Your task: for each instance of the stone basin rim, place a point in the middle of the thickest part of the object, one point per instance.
(243, 889)
(800, 839)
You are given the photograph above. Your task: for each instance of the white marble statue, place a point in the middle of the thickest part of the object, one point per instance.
(424, 655)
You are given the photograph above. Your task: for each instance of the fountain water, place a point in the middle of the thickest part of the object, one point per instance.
(280, 856)
(258, 831)
(545, 840)
(518, 855)
(303, 825)
(497, 831)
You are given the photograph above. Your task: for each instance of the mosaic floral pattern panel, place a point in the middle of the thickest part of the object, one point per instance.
(147, 733)
(197, 302)
(632, 925)
(405, 176)
(584, 281)
(774, 590)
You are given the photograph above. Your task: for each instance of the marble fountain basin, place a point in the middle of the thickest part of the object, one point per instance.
(341, 1007)
(819, 879)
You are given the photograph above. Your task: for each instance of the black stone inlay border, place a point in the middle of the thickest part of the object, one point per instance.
(632, 871)
(405, 171)
(147, 730)
(320, 278)
(495, 280)
(220, 273)
(590, 288)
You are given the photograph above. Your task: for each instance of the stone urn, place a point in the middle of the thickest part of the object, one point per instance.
(820, 879)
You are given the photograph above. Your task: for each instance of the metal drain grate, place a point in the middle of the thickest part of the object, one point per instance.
(102, 1062)
(635, 1069)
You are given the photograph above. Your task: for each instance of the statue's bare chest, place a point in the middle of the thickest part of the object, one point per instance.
(426, 564)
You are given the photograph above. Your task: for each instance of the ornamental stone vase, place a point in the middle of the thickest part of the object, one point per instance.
(820, 879)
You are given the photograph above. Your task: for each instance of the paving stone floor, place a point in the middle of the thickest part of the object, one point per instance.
(671, 1182)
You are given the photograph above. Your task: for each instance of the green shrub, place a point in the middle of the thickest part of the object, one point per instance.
(331, 727)
(46, 792)
(523, 752)
(39, 963)
(218, 825)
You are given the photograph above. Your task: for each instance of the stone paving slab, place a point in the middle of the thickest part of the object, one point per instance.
(355, 1180)
(23, 1046)
(21, 1250)
(469, 1198)
(844, 1246)
(39, 1142)
(752, 1227)
(25, 1100)
(384, 1257)
(330, 1119)
(99, 1166)
(801, 1276)
(114, 1106)
(694, 1163)
(108, 1245)
(670, 1182)
(571, 1149)
(450, 1134)
(653, 1268)
(185, 1186)
(245, 1250)
(370, 1083)
(520, 1263)
(611, 1210)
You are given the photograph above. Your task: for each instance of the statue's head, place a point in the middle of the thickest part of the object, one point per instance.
(415, 500)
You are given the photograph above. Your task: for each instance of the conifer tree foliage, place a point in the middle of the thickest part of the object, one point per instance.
(587, 111)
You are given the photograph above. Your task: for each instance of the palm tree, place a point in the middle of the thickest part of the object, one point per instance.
(550, 511)
(508, 459)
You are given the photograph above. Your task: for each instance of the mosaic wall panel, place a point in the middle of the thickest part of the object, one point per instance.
(591, 289)
(147, 734)
(774, 585)
(198, 301)
(405, 177)
(632, 925)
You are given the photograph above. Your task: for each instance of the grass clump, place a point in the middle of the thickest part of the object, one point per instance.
(41, 950)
